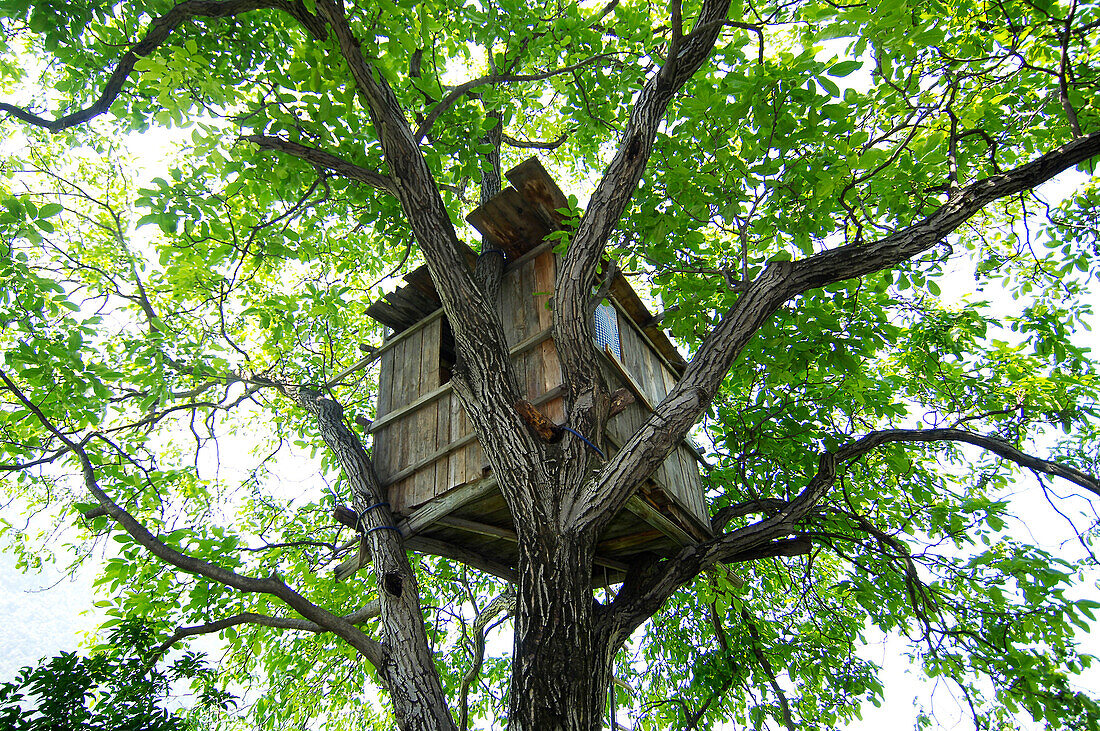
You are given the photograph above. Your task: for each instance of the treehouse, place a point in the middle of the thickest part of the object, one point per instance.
(425, 451)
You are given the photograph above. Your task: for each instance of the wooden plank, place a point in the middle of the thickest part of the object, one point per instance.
(460, 427)
(479, 561)
(424, 482)
(382, 445)
(544, 269)
(446, 504)
(519, 318)
(651, 515)
(460, 442)
(505, 534)
(408, 408)
(399, 428)
(482, 529)
(626, 299)
(385, 385)
(404, 334)
(501, 220)
(424, 544)
(430, 396)
(539, 190)
(630, 541)
(532, 317)
(442, 438)
(629, 380)
(382, 456)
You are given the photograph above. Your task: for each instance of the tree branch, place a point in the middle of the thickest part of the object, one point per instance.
(484, 378)
(466, 87)
(506, 603)
(535, 144)
(765, 538)
(159, 30)
(369, 648)
(998, 446)
(577, 273)
(409, 675)
(777, 284)
(765, 664)
(325, 160)
(291, 623)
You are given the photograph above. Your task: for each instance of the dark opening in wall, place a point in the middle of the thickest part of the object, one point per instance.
(446, 351)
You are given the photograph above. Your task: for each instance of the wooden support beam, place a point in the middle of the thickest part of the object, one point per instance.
(446, 504)
(651, 515)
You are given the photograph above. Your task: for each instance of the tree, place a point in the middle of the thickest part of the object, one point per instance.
(117, 688)
(790, 179)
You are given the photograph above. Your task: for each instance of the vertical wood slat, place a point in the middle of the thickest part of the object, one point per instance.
(457, 467)
(385, 384)
(544, 269)
(382, 445)
(395, 431)
(442, 437)
(424, 429)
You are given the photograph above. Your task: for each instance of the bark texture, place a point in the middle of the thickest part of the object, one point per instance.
(561, 497)
(407, 668)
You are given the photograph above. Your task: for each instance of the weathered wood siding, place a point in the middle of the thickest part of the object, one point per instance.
(427, 450)
(678, 476)
(423, 441)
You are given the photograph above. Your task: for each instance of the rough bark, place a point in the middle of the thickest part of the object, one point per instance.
(562, 660)
(408, 670)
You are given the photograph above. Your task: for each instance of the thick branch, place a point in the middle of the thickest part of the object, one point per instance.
(158, 33)
(503, 603)
(325, 160)
(761, 658)
(483, 378)
(999, 447)
(573, 303)
(778, 283)
(765, 538)
(291, 623)
(410, 675)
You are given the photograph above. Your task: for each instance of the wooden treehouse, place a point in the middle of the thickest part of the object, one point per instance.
(425, 451)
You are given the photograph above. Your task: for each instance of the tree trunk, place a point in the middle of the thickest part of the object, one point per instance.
(562, 659)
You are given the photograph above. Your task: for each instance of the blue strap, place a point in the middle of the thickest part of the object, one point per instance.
(583, 439)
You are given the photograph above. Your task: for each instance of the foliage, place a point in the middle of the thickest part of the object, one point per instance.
(116, 688)
(148, 304)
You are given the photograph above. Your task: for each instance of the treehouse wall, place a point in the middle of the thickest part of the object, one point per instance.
(645, 373)
(424, 444)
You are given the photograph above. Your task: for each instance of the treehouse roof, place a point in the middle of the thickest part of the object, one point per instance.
(516, 221)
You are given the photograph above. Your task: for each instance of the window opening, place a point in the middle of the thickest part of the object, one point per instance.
(446, 352)
(606, 328)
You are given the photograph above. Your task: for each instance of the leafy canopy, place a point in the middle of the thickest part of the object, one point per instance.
(141, 298)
